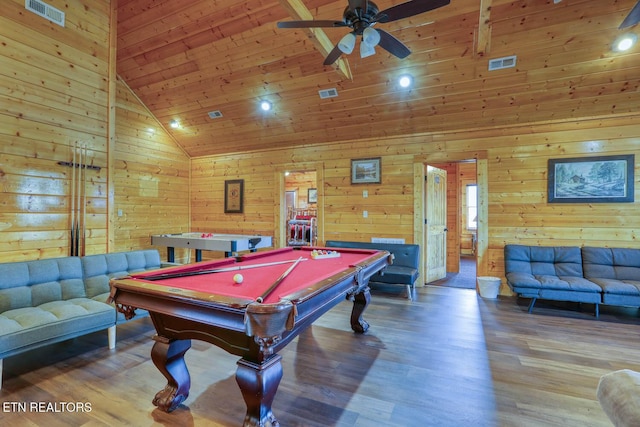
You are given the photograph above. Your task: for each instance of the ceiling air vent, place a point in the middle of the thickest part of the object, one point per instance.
(48, 12)
(328, 93)
(214, 114)
(500, 63)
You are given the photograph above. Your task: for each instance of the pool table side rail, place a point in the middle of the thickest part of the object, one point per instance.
(152, 289)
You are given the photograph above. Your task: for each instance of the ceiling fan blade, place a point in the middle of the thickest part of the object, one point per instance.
(632, 18)
(410, 8)
(311, 24)
(333, 56)
(392, 44)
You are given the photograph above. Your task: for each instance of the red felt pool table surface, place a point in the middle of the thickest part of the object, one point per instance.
(256, 280)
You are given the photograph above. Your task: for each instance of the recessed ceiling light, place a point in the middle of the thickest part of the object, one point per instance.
(174, 124)
(625, 42)
(405, 80)
(265, 105)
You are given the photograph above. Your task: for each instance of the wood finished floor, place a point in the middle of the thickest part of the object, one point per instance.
(449, 358)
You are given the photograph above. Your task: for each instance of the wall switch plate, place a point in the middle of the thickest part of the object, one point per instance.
(365, 194)
(365, 214)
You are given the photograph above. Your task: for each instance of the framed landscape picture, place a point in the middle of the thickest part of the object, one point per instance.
(233, 195)
(365, 171)
(312, 195)
(602, 179)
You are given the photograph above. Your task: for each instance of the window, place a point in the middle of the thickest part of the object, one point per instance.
(472, 206)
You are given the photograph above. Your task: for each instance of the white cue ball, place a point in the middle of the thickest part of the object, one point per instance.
(237, 278)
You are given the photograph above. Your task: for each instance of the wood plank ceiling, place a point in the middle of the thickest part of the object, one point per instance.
(184, 59)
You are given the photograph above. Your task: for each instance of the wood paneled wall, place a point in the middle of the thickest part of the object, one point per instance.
(55, 92)
(53, 84)
(517, 186)
(151, 178)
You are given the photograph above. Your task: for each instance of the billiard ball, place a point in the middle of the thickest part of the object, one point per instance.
(237, 278)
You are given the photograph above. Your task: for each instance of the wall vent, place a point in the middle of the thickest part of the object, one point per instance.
(48, 12)
(501, 63)
(387, 240)
(215, 114)
(328, 93)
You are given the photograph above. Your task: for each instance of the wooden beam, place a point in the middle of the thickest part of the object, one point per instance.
(483, 37)
(299, 12)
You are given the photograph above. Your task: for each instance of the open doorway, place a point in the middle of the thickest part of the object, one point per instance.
(462, 224)
(301, 208)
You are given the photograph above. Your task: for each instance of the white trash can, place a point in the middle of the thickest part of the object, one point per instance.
(489, 286)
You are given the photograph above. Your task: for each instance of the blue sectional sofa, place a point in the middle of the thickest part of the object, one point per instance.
(403, 271)
(584, 275)
(52, 300)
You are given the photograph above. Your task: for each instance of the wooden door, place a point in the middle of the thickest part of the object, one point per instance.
(436, 224)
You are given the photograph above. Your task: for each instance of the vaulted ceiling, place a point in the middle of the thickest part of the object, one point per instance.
(185, 59)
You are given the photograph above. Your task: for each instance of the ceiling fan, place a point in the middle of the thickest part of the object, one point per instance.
(632, 18)
(361, 16)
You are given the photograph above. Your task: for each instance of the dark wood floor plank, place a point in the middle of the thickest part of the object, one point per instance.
(449, 358)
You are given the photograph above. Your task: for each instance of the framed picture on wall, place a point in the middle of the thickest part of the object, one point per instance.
(312, 195)
(233, 195)
(600, 179)
(365, 171)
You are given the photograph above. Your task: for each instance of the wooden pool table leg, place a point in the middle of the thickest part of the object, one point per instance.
(360, 302)
(258, 384)
(168, 356)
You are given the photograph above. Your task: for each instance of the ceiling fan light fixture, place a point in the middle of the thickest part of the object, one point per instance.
(370, 36)
(366, 50)
(347, 43)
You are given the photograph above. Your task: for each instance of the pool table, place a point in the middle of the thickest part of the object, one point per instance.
(202, 301)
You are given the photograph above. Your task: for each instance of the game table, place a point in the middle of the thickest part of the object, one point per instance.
(202, 301)
(230, 244)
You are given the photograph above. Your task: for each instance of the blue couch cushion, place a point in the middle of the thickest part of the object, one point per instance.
(543, 260)
(99, 269)
(406, 258)
(397, 274)
(616, 270)
(32, 283)
(53, 321)
(611, 263)
(558, 268)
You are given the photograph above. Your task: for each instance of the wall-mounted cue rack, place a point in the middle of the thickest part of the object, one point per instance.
(79, 167)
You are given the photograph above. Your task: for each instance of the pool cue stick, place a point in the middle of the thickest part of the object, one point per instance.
(79, 178)
(266, 293)
(84, 203)
(73, 199)
(214, 270)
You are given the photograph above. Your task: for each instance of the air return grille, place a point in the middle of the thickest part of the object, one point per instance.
(500, 63)
(328, 93)
(48, 12)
